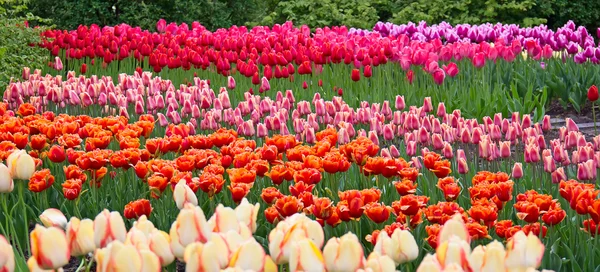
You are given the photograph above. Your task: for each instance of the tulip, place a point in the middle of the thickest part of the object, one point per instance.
(558, 175)
(49, 247)
(517, 171)
(247, 214)
(524, 251)
(463, 166)
(292, 229)
(80, 236)
(158, 242)
(183, 194)
(251, 256)
(438, 76)
(355, 76)
(56, 154)
(306, 256)
(400, 104)
(230, 83)
(453, 251)
(592, 93)
(429, 264)
(53, 218)
(120, 257)
(7, 256)
(211, 256)
(21, 165)
(189, 227)
(344, 253)
(401, 246)
(454, 227)
(6, 181)
(427, 105)
(380, 263)
(108, 227)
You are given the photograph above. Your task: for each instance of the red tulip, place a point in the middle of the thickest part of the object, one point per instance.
(410, 76)
(592, 93)
(438, 76)
(355, 75)
(451, 69)
(368, 72)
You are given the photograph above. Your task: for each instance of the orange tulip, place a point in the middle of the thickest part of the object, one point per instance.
(300, 187)
(282, 142)
(370, 195)
(135, 209)
(334, 162)
(38, 142)
(322, 208)
(272, 215)
(441, 169)
(239, 191)
(288, 205)
(41, 180)
(309, 176)
(449, 187)
(241, 175)
(270, 194)
(527, 211)
(405, 187)
(410, 204)
(377, 212)
(260, 167)
(211, 183)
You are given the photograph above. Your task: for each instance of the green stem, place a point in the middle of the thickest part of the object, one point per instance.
(594, 114)
(26, 225)
(81, 265)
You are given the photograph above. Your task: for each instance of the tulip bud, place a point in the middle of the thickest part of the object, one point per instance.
(292, 229)
(463, 166)
(517, 171)
(183, 194)
(454, 227)
(230, 83)
(429, 264)
(453, 250)
(400, 104)
(158, 242)
(21, 165)
(49, 247)
(344, 253)
(120, 257)
(53, 218)
(7, 256)
(306, 256)
(401, 247)
(247, 214)
(251, 256)
(211, 256)
(108, 227)
(559, 175)
(524, 251)
(379, 263)
(80, 236)
(191, 226)
(6, 181)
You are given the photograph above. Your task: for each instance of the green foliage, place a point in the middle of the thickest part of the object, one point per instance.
(315, 13)
(467, 11)
(14, 40)
(69, 14)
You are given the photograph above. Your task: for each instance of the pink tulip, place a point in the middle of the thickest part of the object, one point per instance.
(438, 142)
(230, 83)
(264, 84)
(438, 76)
(517, 171)
(343, 137)
(549, 165)
(546, 125)
(427, 106)
(162, 120)
(526, 121)
(400, 105)
(310, 135)
(441, 110)
(505, 149)
(411, 148)
(571, 125)
(388, 132)
(58, 65)
(463, 167)
(395, 153)
(558, 175)
(447, 151)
